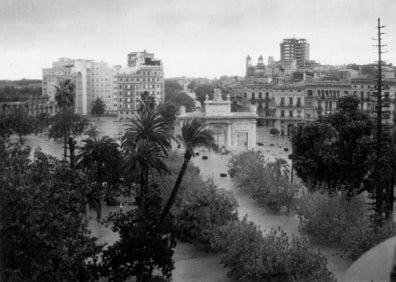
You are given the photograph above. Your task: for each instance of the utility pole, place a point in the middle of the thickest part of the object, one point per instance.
(379, 89)
(384, 188)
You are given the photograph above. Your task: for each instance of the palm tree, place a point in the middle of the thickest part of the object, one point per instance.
(146, 157)
(148, 125)
(101, 155)
(64, 97)
(194, 134)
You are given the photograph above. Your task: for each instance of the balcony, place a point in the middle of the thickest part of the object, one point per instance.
(290, 106)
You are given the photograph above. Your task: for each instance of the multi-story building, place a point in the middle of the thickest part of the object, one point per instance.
(144, 74)
(365, 90)
(295, 49)
(322, 96)
(101, 82)
(91, 79)
(285, 105)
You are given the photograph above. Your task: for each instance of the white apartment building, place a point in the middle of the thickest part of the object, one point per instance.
(91, 79)
(143, 74)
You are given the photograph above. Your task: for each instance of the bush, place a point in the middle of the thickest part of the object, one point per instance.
(266, 182)
(273, 257)
(200, 206)
(341, 223)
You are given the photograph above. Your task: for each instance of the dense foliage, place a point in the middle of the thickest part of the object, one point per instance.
(44, 235)
(334, 151)
(266, 182)
(141, 247)
(252, 256)
(201, 206)
(27, 92)
(98, 107)
(341, 222)
(74, 125)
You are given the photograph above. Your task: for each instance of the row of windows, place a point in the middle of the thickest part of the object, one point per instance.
(139, 79)
(137, 86)
(282, 114)
(282, 102)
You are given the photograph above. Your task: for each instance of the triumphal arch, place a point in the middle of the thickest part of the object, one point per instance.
(231, 130)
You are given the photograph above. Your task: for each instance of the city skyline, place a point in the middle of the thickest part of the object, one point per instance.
(192, 38)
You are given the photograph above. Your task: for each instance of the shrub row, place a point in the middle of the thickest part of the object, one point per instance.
(266, 182)
(252, 256)
(200, 206)
(341, 222)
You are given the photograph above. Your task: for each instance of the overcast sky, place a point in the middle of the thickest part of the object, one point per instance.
(206, 38)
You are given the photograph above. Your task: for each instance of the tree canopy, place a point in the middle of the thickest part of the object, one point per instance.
(44, 236)
(98, 107)
(335, 150)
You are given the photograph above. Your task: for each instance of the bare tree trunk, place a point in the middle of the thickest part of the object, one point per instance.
(175, 189)
(64, 134)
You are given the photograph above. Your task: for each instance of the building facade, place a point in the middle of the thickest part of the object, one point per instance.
(365, 90)
(295, 49)
(91, 79)
(285, 105)
(144, 74)
(231, 130)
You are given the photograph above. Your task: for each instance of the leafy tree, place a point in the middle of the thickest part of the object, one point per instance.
(69, 122)
(180, 99)
(98, 107)
(251, 256)
(341, 223)
(64, 97)
(266, 182)
(101, 157)
(172, 87)
(44, 236)
(192, 85)
(42, 121)
(201, 208)
(21, 124)
(334, 152)
(5, 128)
(201, 90)
(193, 135)
(142, 247)
(168, 112)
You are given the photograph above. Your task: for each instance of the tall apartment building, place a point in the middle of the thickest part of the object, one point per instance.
(102, 84)
(295, 49)
(144, 73)
(91, 79)
(76, 71)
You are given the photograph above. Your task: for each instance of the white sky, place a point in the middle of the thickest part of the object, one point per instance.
(206, 38)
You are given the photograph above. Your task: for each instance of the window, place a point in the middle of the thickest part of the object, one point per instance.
(245, 95)
(298, 101)
(282, 113)
(290, 101)
(290, 113)
(260, 95)
(282, 103)
(253, 96)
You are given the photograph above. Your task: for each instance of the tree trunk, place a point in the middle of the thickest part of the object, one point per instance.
(64, 134)
(172, 198)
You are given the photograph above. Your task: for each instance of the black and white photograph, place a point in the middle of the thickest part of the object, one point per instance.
(197, 140)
